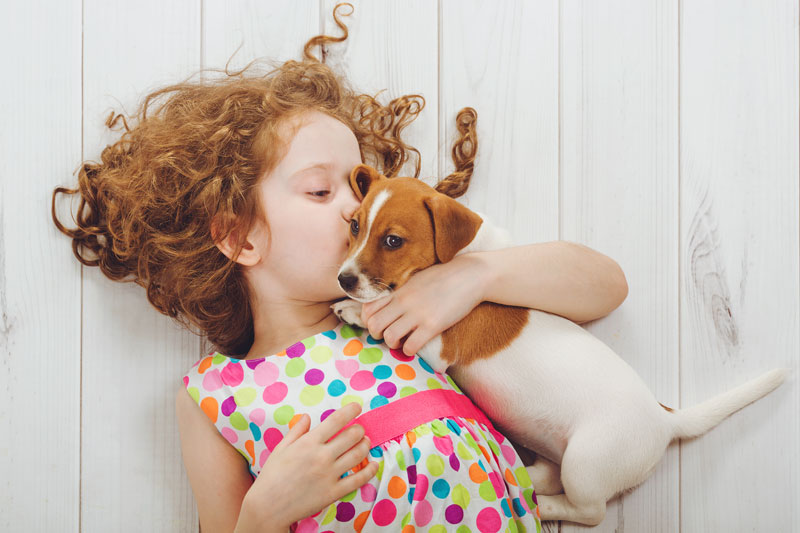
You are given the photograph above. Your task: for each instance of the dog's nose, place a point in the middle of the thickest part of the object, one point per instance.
(347, 280)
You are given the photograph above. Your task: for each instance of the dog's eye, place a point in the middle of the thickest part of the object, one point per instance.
(393, 241)
(354, 226)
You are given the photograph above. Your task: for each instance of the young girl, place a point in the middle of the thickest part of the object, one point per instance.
(231, 206)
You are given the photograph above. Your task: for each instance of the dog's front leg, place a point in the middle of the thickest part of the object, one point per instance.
(349, 311)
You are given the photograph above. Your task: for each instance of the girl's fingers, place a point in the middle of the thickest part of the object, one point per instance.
(297, 431)
(346, 440)
(354, 481)
(336, 421)
(352, 456)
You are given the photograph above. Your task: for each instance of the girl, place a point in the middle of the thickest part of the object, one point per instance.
(231, 206)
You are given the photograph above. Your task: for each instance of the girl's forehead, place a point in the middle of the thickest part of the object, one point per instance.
(318, 139)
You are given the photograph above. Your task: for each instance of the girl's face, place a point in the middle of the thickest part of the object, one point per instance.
(309, 204)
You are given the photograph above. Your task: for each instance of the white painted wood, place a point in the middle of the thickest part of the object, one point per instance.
(619, 184)
(40, 291)
(392, 46)
(503, 62)
(275, 30)
(132, 476)
(662, 134)
(739, 259)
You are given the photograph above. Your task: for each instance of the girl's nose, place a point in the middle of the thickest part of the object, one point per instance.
(350, 208)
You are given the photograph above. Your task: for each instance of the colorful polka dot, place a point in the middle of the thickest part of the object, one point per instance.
(345, 512)
(232, 374)
(370, 356)
(384, 512)
(362, 380)
(295, 367)
(296, 350)
(382, 372)
(405, 372)
(311, 395)
(284, 414)
(378, 401)
(489, 521)
(314, 376)
(275, 393)
(265, 374)
(387, 389)
(244, 396)
(441, 489)
(423, 512)
(257, 416)
(336, 387)
(346, 367)
(321, 354)
(454, 514)
(397, 487)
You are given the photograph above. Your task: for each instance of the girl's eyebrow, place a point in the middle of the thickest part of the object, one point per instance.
(323, 165)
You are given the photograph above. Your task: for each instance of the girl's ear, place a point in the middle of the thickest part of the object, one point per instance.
(362, 177)
(248, 256)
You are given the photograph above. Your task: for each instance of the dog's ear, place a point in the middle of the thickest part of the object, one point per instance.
(454, 226)
(361, 179)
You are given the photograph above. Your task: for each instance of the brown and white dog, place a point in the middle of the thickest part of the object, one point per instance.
(544, 381)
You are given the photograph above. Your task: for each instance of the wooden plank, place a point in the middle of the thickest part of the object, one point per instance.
(40, 291)
(275, 30)
(503, 62)
(133, 356)
(619, 172)
(380, 53)
(739, 259)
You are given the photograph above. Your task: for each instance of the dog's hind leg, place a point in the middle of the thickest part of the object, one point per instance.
(585, 468)
(546, 476)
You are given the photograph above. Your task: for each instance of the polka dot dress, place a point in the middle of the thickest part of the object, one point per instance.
(451, 474)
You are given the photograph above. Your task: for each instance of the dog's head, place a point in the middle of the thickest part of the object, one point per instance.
(403, 225)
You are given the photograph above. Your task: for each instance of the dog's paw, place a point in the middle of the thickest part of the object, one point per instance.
(349, 311)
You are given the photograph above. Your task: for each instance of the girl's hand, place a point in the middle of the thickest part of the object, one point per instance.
(430, 301)
(301, 476)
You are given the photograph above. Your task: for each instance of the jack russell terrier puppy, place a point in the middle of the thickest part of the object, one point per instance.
(584, 408)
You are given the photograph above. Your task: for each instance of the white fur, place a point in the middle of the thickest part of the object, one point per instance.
(365, 291)
(560, 391)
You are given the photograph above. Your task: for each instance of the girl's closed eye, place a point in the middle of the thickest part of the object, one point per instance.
(315, 193)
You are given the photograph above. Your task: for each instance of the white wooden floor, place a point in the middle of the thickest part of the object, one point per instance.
(662, 133)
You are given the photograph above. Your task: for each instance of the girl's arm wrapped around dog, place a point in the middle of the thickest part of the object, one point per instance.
(559, 277)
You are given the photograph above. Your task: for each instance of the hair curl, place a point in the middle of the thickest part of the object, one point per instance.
(146, 210)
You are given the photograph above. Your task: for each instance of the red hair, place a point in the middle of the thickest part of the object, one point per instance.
(146, 209)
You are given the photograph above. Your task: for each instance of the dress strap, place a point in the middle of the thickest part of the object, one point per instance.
(394, 419)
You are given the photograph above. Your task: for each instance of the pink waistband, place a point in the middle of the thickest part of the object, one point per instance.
(394, 419)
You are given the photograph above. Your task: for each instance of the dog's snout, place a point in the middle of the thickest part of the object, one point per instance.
(347, 280)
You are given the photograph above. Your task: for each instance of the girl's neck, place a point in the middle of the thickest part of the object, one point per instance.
(270, 339)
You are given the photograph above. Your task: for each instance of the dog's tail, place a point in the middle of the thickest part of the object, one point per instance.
(696, 420)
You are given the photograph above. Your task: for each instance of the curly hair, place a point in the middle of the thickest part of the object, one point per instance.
(147, 209)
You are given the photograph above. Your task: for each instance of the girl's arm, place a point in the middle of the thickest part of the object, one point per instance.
(560, 277)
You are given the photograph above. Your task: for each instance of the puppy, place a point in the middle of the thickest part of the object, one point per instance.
(584, 408)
